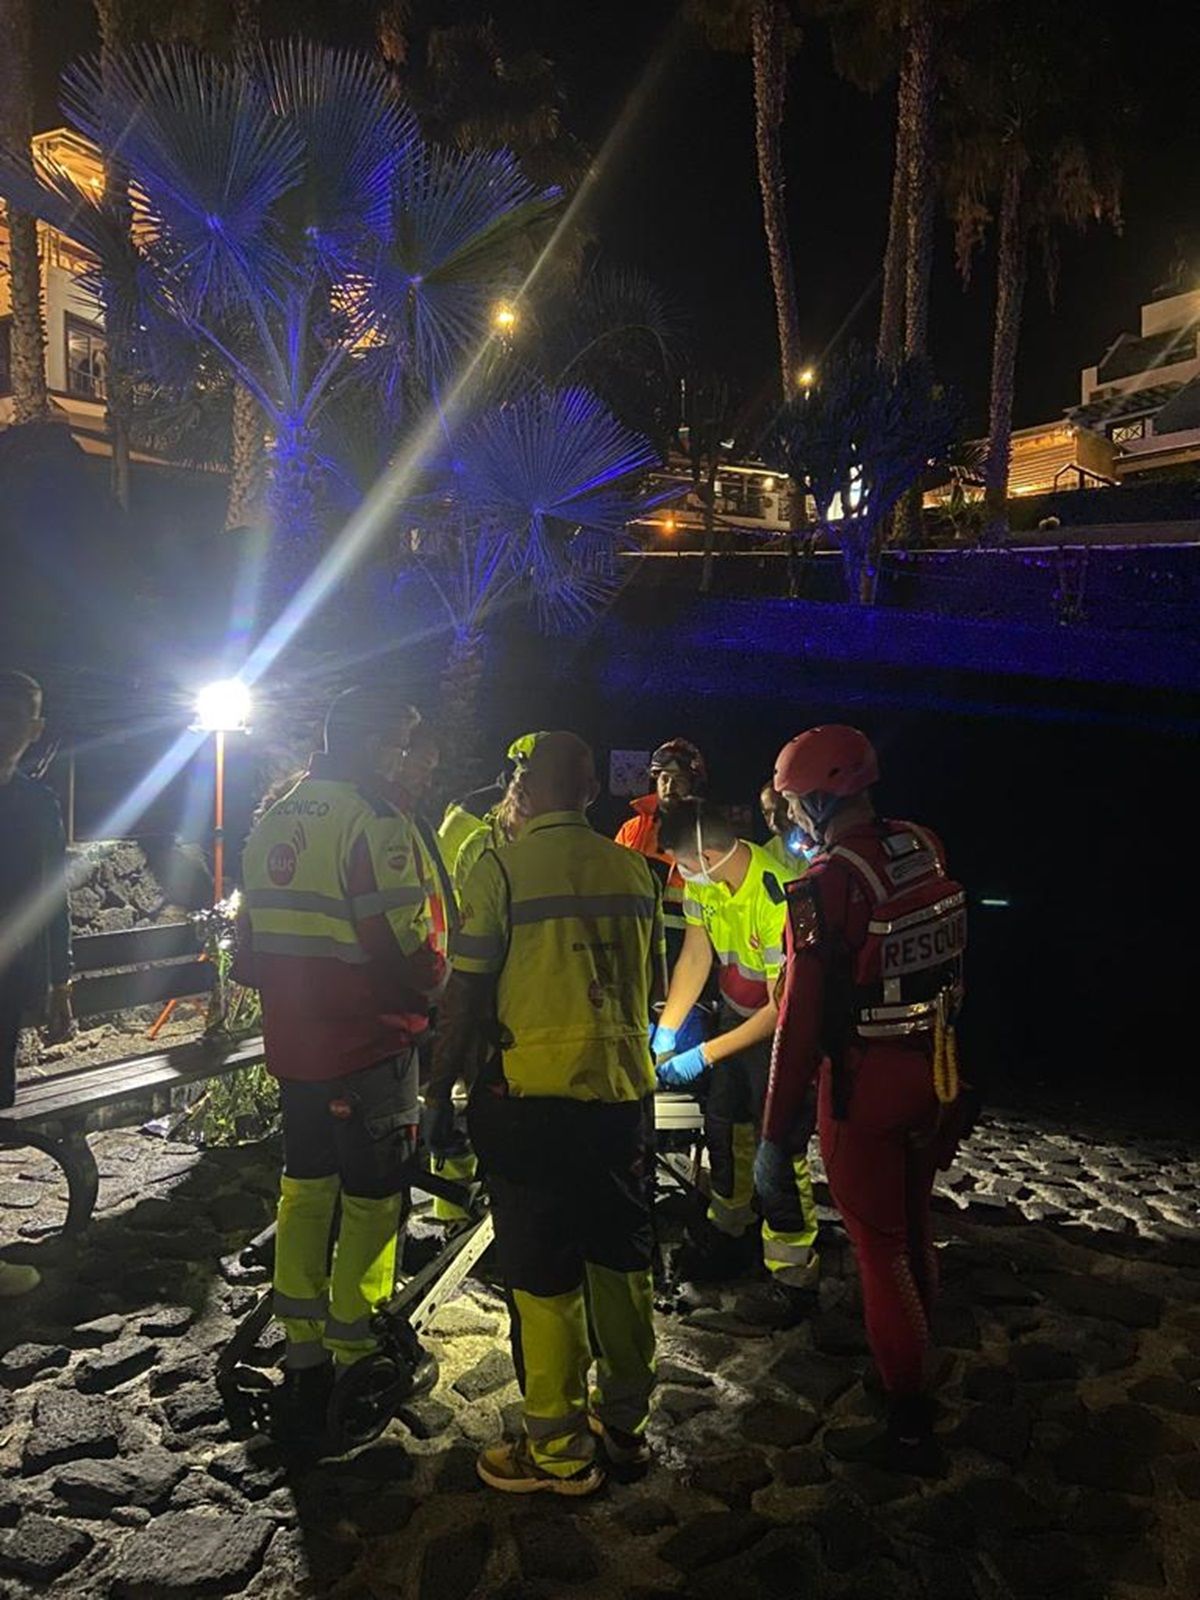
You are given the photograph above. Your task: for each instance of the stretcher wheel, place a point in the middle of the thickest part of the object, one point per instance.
(365, 1398)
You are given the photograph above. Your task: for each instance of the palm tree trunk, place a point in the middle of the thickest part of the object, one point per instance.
(1010, 291)
(458, 726)
(920, 188)
(114, 25)
(768, 35)
(27, 348)
(891, 313)
(246, 459)
(247, 27)
(291, 494)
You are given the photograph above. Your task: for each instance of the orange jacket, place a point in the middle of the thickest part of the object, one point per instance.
(640, 833)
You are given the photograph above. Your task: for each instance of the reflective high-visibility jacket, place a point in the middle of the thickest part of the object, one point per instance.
(640, 833)
(746, 930)
(572, 926)
(340, 928)
(462, 839)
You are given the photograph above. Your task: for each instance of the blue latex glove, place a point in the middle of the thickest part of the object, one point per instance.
(662, 1040)
(686, 1068)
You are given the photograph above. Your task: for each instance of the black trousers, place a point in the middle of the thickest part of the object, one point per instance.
(361, 1127)
(12, 1010)
(567, 1185)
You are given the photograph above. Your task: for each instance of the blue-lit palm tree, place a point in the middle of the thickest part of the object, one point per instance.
(528, 506)
(290, 220)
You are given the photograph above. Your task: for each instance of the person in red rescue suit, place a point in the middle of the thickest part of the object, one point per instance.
(872, 984)
(342, 934)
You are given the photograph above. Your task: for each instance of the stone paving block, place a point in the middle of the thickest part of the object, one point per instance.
(42, 1548)
(453, 1563)
(186, 1553)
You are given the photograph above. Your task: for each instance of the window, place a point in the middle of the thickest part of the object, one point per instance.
(1125, 432)
(87, 359)
(5, 355)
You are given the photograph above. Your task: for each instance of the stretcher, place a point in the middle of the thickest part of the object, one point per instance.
(368, 1394)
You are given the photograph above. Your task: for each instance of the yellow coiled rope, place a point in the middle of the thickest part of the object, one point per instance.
(945, 1059)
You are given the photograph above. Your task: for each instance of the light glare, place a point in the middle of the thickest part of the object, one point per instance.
(223, 707)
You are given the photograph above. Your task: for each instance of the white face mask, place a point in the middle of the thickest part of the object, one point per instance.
(705, 875)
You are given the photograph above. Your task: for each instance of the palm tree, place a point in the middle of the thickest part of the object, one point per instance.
(856, 442)
(529, 505)
(292, 221)
(1034, 139)
(766, 29)
(27, 330)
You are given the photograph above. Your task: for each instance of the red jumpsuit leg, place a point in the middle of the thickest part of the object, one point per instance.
(881, 1187)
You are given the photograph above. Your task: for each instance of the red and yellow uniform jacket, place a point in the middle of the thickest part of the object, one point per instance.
(342, 931)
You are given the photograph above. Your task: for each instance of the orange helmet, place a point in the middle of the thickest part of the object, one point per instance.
(832, 760)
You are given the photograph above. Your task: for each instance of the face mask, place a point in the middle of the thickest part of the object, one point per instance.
(705, 875)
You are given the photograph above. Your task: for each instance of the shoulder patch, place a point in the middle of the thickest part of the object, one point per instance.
(774, 888)
(804, 916)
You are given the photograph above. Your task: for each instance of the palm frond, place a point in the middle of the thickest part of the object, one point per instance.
(554, 455)
(355, 132)
(457, 217)
(209, 161)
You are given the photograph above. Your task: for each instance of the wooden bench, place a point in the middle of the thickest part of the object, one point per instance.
(116, 972)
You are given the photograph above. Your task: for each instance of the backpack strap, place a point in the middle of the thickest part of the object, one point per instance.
(862, 869)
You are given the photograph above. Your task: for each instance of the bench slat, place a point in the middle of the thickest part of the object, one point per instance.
(134, 947)
(119, 1080)
(120, 991)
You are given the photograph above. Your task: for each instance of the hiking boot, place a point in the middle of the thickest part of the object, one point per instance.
(621, 1449)
(509, 1467)
(907, 1444)
(710, 1256)
(17, 1280)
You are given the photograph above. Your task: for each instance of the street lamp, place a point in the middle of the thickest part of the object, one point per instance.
(222, 707)
(504, 318)
(806, 377)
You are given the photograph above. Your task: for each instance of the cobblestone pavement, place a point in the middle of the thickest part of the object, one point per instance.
(1070, 1409)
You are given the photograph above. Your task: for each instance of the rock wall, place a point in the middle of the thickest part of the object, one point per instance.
(122, 883)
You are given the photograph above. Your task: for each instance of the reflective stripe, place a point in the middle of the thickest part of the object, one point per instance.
(923, 914)
(727, 958)
(671, 920)
(693, 909)
(297, 900)
(864, 868)
(383, 900)
(309, 944)
(778, 1247)
(729, 1219)
(289, 1305)
(553, 1427)
(773, 955)
(348, 1332)
(548, 907)
(479, 946)
(740, 1010)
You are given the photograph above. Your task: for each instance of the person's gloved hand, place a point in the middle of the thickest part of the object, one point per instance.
(662, 1040)
(674, 1072)
(437, 1126)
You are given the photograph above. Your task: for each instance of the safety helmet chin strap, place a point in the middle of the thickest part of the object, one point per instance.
(820, 807)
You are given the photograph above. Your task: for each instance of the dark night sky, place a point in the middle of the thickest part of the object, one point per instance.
(677, 194)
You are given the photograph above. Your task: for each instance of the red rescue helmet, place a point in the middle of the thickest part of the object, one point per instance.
(834, 760)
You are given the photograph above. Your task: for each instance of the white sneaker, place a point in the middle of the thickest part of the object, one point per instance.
(17, 1280)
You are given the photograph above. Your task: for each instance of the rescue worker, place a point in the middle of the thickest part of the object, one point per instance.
(483, 818)
(873, 981)
(560, 949)
(679, 773)
(35, 933)
(338, 935)
(734, 909)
